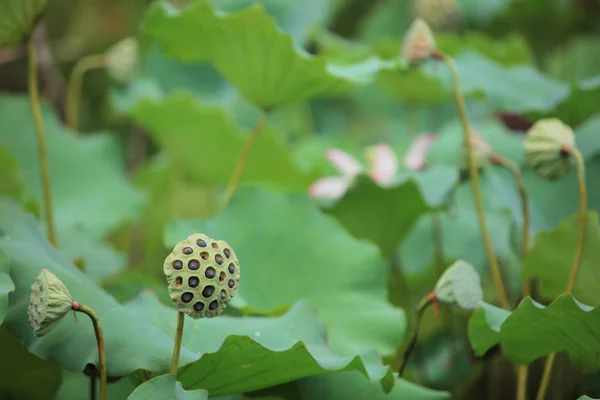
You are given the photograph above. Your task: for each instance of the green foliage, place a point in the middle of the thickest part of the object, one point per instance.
(166, 387)
(18, 19)
(532, 330)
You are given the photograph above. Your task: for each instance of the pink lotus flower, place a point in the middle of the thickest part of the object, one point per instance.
(416, 154)
(383, 168)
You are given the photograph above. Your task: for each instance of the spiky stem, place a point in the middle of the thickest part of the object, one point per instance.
(474, 178)
(177, 346)
(241, 162)
(41, 142)
(74, 87)
(100, 342)
(545, 382)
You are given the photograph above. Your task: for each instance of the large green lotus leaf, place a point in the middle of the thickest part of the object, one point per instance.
(97, 259)
(551, 256)
(251, 353)
(477, 12)
(349, 385)
(579, 105)
(20, 369)
(297, 19)
(18, 19)
(12, 181)
(247, 48)
(305, 255)
(386, 224)
(85, 171)
(204, 143)
(165, 387)
(131, 343)
(6, 285)
(532, 331)
(516, 89)
(73, 384)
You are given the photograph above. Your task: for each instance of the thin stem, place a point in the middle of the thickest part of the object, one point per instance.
(582, 216)
(474, 177)
(74, 87)
(545, 382)
(41, 141)
(100, 341)
(239, 167)
(514, 170)
(522, 373)
(412, 340)
(177, 346)
(92, 388)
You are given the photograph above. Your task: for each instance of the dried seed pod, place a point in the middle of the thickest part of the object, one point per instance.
(460, 284)
(203, 276)
(49, 302)
(481, 150)
(121, 60)
(419, 42)
(545, 148)
(440, 14)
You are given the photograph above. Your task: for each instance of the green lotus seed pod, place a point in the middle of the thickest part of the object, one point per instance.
(49, 302)
(545, 148)
(203, 276)
(121, 60)
(419, 42)
(460, 285)
(440, 14)
(481, 150)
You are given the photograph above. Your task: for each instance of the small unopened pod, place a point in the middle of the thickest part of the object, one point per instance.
(122, 59)
(481, 151)
(419, 43)
(203, 275)
(460, 285)
(546, 148)
(49, 302)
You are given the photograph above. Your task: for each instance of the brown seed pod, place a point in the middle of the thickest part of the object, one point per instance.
(203, 275)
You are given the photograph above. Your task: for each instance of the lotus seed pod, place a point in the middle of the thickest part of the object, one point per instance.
(545, 145)
(440, 14)
(121, 60)
(419, 42)
(481, 150)
(460, 285)
(203, 276)
(49, 302)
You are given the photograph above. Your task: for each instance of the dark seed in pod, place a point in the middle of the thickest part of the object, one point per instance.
(231, 268)
(227, 253)
(223, 294)
(210, 272)
(208, 291)
(187, 297)
(187, 251)
(193, 281)
(231, 283)
(177, 264)
(199, 306)
(213, 305)
(201, 243)
(219, 259)
(194, 265)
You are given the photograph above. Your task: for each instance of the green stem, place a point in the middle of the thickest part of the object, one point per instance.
(400, 365)
(177, 346)
(474, 178)
(241, 162)
(41, 141)
(74, 88)
(545, 382)
(100, 341)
